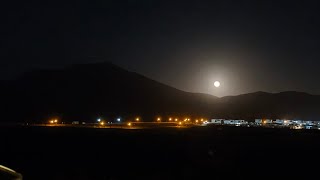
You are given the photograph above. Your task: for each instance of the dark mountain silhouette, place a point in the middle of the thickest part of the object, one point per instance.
(289, 104)
(87, 91)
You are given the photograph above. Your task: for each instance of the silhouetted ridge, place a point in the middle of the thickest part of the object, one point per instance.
(86, 91)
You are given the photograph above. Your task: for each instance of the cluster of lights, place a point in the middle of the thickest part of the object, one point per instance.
(170, 119)
(54, 121)
(158, 119)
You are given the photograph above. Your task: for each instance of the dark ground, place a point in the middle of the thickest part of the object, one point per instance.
(172, 153)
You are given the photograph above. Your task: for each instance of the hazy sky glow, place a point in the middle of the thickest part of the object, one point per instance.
(247, 45)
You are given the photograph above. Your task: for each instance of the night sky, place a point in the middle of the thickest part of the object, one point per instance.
(249, 46)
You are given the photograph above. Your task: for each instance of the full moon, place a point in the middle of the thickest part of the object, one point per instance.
(216, 84)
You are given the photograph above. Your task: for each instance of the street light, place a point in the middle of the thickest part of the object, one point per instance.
(176, 119)
(129, 124)
(137, 119)
(119, 119)
(99, 119)
(159, 119)
(170, 119)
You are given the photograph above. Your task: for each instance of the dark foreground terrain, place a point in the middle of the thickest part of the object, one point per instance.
(172, 153)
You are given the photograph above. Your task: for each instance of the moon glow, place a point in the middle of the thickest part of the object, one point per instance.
(216, 84)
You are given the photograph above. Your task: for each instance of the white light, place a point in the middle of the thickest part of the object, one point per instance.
(216, 84)
(99, 119)
(118, 119)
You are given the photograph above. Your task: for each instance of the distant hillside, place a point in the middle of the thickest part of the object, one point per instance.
(288, 104)
(87, 91)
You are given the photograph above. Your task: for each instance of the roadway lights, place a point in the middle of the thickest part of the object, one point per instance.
(159, 119)
(99, 119)
(170, 119)
(197, 121)
(129, 124)
(119, 119)
(180, 123)
(137, 119)
(102, 123)
(176, 119)
(53, 121)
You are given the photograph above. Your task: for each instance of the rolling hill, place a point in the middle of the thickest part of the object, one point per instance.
(87, 91)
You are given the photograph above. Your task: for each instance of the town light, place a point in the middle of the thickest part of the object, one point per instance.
(99, 119)
(137, 119)
(102, 123)
(170, 119)
(159, 119)
(176, 119)
(55, 120)
(129, 124)
(119, 119)
(51, 122)
(197, 121)
(180, 123)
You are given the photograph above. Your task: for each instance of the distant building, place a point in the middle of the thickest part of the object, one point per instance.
(240, 122)
(228, 122)
(288, 122)
(298, 122)
(309, 127)
(310, 123)
(279, 121)
(267, 121)
(217, 121)
(258, 121)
